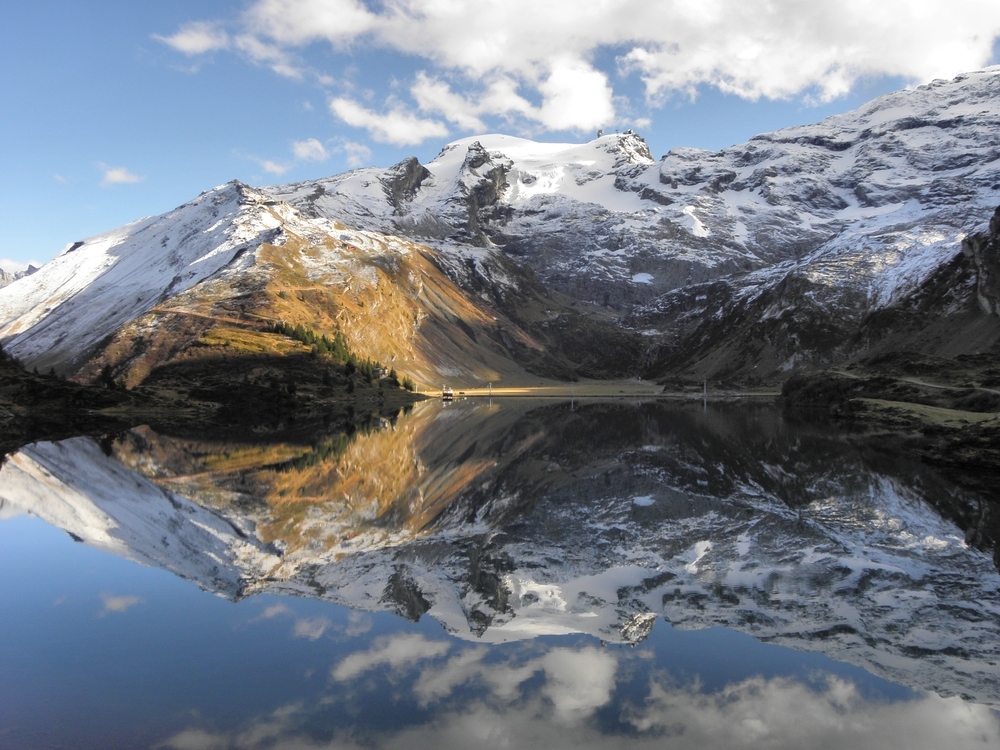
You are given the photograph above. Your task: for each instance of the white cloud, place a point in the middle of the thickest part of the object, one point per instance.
(268, 165)
(396, 126)
(435, 96)
(269, 55)
(577, 681)
(547, 52)
(358, 624)
(513, 712)
(399, 652)
(274, 610)
(117, 176)
(197, 38)
(200, 37)
(310, 150)
(358, 154)
(302, 21)
(272, 167)
(311, 628)
(575, 96)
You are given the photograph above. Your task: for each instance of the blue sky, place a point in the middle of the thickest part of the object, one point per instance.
(115, 110)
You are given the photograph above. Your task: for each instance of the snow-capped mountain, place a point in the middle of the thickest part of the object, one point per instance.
(510, 523)
(57, 316)
(802, 246)
(887, 189)
(815, 229)
(229, 262)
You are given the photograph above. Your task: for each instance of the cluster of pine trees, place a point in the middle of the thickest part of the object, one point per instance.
(365, 367)
(337, 348)
(320, 343)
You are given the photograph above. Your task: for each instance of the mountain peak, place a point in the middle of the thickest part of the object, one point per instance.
(629, 144)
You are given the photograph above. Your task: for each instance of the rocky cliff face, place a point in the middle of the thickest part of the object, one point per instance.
(983, 249)
(9, 277)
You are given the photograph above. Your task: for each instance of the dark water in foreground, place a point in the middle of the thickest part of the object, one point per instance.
(514, 574)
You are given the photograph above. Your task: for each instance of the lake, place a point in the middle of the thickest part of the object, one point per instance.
(511, 573)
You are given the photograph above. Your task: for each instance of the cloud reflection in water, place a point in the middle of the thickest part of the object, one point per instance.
(569, 697)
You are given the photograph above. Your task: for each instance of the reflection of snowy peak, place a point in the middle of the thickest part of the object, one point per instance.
(74, 486)
(596, 521)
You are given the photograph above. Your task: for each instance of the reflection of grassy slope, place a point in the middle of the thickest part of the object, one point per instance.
(395, 481)
(470, 467)
(388, 482)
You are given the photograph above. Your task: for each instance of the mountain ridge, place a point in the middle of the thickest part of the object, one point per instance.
(799, 248)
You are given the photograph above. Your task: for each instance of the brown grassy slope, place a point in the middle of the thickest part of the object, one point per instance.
(391, 300)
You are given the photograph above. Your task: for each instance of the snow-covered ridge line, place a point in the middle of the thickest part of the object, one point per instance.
(74, 486)
(882, 180)
(94, 287)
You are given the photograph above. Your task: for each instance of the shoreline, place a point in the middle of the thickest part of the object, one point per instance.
(606, 390)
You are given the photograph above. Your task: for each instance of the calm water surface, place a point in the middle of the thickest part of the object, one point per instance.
(506, 574)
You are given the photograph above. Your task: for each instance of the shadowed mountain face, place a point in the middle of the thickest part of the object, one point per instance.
(506, 522)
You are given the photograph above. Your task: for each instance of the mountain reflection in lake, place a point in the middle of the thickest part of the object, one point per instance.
(545, 539)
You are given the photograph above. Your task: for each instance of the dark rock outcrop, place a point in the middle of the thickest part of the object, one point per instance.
(983, 249)
(402, 182)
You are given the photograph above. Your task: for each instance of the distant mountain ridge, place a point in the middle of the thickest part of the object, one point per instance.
(9, 277)
(802, 247)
